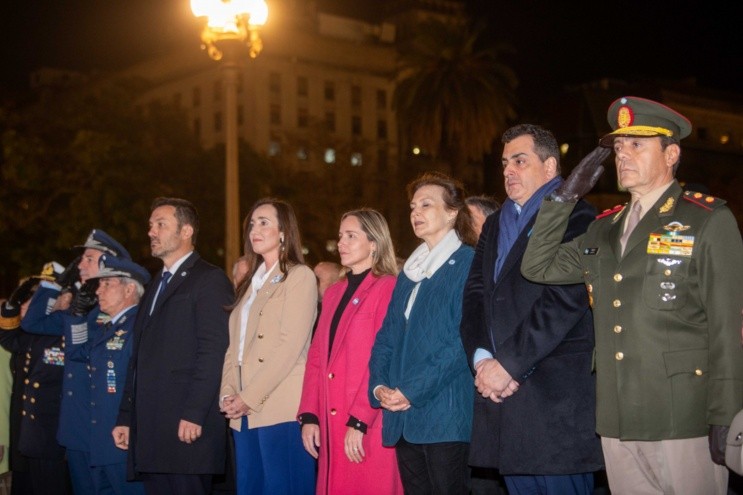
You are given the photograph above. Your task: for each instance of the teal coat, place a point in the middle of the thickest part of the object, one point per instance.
(667, 321)
(423, 357)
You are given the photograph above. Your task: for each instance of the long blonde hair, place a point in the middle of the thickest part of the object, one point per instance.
(377, 231)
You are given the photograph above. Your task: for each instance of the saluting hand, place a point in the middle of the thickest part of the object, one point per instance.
(583, 177)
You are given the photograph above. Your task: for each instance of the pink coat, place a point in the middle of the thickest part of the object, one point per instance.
(337, 387)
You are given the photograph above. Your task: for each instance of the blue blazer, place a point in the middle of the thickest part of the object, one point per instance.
(107, 353)
(74, 414)
(423, 357)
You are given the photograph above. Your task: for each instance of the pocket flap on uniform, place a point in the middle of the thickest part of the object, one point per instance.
(692, 361)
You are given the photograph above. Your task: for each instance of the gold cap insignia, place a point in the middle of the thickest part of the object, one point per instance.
(625, 116)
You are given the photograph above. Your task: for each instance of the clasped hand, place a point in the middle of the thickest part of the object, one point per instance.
(233, 407)
(392, 400)
(493, 381)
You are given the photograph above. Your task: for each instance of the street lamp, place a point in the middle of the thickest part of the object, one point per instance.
(231, 26)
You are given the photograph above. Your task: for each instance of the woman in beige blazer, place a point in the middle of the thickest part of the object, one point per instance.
(270, 332)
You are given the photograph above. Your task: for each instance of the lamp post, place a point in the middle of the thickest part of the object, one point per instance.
(232, 25)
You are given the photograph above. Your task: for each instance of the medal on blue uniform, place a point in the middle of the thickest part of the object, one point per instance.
(111, 378)
(54, 356)
(115, 343)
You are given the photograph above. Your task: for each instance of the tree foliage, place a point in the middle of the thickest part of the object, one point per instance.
(454, 94)
(78, 159)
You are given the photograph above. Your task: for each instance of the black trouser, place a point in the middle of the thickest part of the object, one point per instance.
(177, 484)
(433, 468)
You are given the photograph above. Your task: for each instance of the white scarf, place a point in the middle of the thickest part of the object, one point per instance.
(424, 262)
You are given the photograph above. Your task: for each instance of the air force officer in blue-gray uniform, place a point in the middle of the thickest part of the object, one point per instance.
(74, 320)
(107, 353)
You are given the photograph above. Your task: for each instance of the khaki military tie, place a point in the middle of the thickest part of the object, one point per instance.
(632, 221)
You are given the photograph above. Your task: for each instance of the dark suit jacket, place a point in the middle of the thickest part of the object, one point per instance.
(543, 336)
(175, 372)
(37, 390)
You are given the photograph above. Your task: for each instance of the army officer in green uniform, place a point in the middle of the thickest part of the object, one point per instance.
(664, 278)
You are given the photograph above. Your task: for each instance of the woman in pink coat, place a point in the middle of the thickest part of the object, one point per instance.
(339, 427)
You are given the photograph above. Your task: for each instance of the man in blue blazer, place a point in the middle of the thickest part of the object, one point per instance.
(530, 345)
(169, 417)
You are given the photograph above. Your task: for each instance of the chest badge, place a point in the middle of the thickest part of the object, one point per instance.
(667, 205)
(675, 227)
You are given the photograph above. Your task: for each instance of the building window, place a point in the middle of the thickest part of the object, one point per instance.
(355, 96)
(240, 115)
(302, 117)
(274, 144)
(356, 125)
(329, 156)
(197, 127)
(356, 159)
(196, 98)
(217, 121)
(381, 99)
(275, 114)
(274, 148)
(382, 129)
(330, 121)
(274, 83)
(218, 90)
(302, 86)
(329, 91)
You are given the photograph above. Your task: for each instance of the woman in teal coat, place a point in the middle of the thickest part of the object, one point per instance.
(418, 369)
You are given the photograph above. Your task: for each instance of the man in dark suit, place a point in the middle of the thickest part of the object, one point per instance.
(530, 345)
(169, 416)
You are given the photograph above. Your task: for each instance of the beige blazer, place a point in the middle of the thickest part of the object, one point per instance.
(279, 330)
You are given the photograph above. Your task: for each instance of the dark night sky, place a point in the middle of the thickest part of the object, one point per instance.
(556, 42)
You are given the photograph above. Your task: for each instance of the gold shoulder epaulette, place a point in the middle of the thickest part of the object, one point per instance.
(610, 211)
(703, 200)
(10, 323)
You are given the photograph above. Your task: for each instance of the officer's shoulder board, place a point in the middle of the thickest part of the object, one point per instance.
(610, 211)
(705, 201)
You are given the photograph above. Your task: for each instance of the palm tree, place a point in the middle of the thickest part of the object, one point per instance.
(453, 95)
